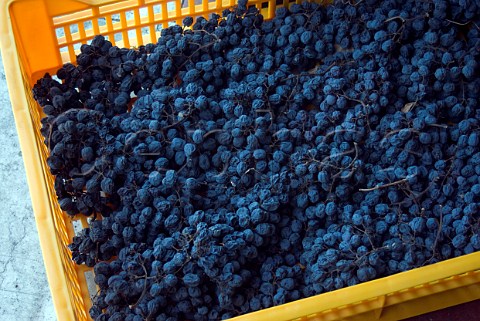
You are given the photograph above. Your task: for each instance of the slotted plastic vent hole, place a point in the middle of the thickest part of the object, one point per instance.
(102, 21)
(77, 226)
(143, 11)
(115, 18)
(87, 25)
(73, 28)
(157, 8)
(60, 32)
(91, 286)
(130, 15)
(118, 37)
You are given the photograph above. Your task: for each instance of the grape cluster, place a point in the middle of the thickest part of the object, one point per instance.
(239, 164)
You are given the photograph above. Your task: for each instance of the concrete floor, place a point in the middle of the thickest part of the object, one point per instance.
(24, 292)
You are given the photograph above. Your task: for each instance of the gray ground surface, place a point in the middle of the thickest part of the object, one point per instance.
(24, 292)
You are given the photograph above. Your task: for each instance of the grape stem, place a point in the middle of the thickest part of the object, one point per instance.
(383, 186)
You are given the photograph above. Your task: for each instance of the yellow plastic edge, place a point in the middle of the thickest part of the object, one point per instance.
(35, 175)
(96, 2)
(376, 291)
(383, 287)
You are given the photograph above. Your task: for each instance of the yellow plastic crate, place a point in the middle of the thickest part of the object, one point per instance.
(38, 36)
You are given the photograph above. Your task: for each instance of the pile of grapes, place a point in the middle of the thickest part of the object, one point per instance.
(239, 163)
